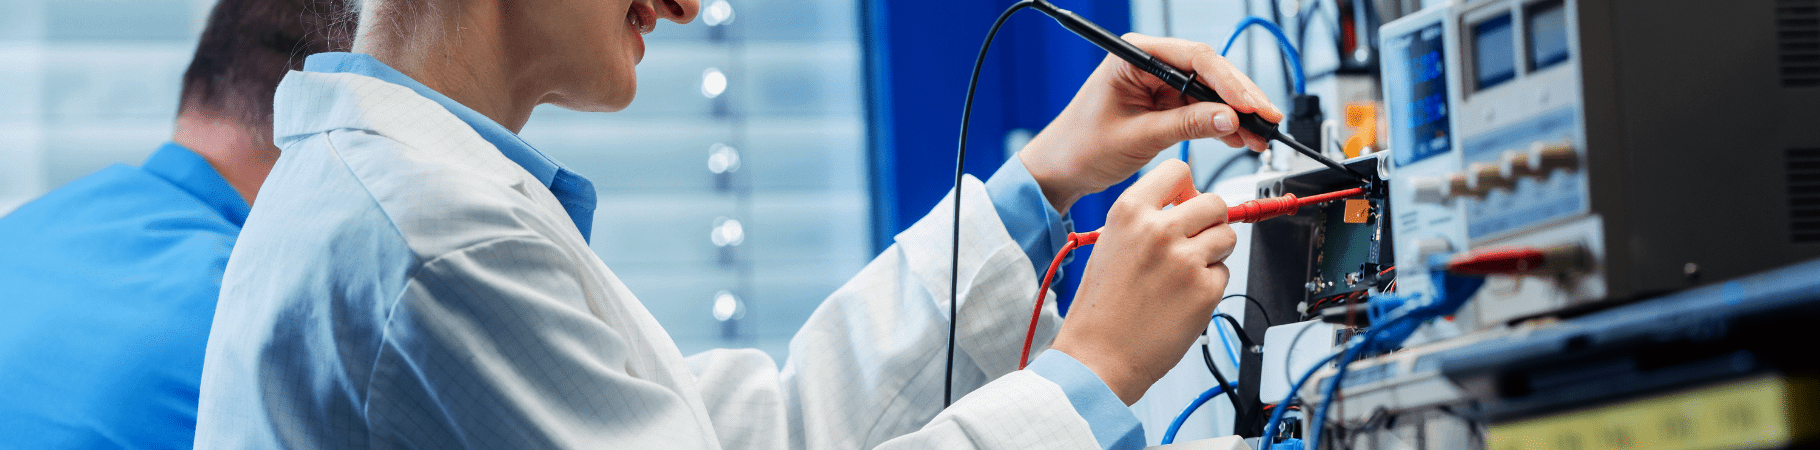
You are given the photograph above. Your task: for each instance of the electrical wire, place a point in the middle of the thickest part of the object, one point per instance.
(1363, 340)
(1289, 51)
(1239, 330)
(1227, 344)
(1207, 357)
(960, 171)
(1305, 16)
(1276, 17)
(1451, 293)
(1276, 417)
(1075, 240)
(1289, 356)
(1176, 425)
(1333, 382)
(1254, 302)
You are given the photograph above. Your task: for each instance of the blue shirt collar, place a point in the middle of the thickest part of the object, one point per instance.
(189, 172)
(572, 190)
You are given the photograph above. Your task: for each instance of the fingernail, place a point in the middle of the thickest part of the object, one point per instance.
(1223, 121)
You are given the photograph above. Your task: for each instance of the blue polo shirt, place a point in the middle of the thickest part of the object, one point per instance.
(109, 286)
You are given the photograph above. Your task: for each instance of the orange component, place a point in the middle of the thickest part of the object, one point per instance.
(1358, 210)
(1362, 118)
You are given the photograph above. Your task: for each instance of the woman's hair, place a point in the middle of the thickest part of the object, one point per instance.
(248, 45)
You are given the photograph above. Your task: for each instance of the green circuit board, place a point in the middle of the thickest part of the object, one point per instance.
(1348, 254)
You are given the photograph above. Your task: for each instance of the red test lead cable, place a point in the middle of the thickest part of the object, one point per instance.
(1248, 212)
(1075, 240)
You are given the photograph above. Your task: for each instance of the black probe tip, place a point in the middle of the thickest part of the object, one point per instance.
(1318, 157)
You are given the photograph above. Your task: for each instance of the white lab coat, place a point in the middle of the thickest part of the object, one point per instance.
(402, 284)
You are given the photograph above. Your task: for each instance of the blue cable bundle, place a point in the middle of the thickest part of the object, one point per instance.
(1405, 317)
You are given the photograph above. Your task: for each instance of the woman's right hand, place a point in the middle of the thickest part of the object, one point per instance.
(1154, 279)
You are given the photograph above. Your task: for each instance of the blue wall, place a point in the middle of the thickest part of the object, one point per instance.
(919, 55)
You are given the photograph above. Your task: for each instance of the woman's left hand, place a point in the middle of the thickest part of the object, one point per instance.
(1122, 117)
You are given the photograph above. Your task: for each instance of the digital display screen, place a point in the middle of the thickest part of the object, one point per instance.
(1419, 77)
(1494, 58)
(1547, 34)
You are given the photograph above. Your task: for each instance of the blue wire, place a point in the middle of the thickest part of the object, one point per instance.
(1276, 417)
(1185, 152)
(1169, 435)
(1454, 291)
(1295, 59)
(1333, 385)
(1219, 327)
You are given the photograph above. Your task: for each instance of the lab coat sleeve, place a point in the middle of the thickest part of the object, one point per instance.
(1028, 216)
(868, 366)
(495, 346)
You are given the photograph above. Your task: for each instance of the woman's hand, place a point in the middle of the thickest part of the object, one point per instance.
(1123, 116)
(1154, 280)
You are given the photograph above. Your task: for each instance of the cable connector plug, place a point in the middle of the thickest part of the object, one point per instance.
(1519, 260)
(1305, 120)
(1264, 208)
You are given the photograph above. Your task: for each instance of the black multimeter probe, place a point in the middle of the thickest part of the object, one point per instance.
(1175, 78)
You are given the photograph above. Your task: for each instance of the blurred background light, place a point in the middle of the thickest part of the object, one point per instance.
(713, 83)
(717, 13)
(722, 159)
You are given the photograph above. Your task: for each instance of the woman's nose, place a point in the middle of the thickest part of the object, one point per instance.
(679, 11)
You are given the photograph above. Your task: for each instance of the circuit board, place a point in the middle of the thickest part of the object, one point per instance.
(1350, 252)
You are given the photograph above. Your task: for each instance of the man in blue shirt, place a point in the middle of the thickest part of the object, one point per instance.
(109, 282)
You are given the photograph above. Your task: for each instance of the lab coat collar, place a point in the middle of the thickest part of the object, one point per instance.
(574, 192)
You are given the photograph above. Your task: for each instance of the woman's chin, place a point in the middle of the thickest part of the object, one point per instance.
(612, 100)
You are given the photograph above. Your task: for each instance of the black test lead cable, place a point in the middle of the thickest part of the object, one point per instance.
(960, 171)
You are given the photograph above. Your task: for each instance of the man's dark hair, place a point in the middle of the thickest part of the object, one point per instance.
(247, 47)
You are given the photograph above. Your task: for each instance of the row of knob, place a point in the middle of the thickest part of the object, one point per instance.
(1479, 179)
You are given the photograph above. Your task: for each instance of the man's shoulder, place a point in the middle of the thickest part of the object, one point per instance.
(119, 233)
(119, 206)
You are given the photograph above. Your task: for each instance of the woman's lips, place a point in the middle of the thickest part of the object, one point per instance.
(642, 19)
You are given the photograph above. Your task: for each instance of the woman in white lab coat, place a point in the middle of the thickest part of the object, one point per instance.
(416, 276)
